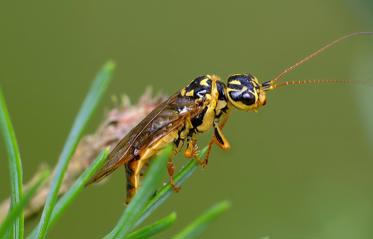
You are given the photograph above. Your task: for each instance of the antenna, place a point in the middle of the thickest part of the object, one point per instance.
(304, 82)
(272, 84)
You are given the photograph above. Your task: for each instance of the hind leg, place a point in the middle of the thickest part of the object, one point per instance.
(171, 166)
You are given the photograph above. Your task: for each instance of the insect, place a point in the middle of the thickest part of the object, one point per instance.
(203, 104)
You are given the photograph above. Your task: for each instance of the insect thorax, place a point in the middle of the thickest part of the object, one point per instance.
(201, 89)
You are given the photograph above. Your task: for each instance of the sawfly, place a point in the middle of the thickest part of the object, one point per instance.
(203, 104)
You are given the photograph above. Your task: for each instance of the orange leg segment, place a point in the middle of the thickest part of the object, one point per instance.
(192, 151)
(171, 167)
(218, 138)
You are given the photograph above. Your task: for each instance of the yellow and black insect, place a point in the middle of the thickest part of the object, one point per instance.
(204, 104)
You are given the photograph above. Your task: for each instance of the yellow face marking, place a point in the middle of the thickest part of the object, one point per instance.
(241, 105)
(235, 82)
(242, 90)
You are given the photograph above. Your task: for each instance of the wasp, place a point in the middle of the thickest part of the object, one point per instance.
(204, 104)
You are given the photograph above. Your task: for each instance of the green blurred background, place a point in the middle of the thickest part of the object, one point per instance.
(300, 168)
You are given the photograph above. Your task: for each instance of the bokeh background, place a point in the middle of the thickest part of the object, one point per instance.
(300, 168)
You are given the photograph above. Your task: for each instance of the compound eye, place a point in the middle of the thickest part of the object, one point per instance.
(245, 97)
(248, 98)
(242, 100)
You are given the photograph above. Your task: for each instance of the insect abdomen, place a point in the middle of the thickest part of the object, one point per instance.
(135, 165)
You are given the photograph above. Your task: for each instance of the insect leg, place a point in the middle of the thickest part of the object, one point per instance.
(189, 152)
(171, 171)
(192, 151)
(218, 138)
(171, 165)
(224, 120)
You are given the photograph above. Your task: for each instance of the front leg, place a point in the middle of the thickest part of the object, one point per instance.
(220, 139)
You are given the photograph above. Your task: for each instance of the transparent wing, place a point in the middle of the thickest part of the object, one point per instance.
(166, 117)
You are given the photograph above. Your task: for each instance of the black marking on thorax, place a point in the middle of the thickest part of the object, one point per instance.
(199, 87)
(198, 120)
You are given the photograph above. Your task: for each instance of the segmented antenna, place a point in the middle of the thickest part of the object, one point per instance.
(272, 84)
(303, 82)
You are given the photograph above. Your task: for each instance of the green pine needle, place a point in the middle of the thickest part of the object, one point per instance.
(154, 228)
(89, 105)
(150, 183)
(166, 191)
(78, 186)
(75, 189)
(15, 211)
(15, 167)
(194, 229)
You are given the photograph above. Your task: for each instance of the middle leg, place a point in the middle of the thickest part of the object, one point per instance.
(192, 150)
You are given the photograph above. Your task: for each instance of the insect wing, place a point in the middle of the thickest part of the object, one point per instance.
(167, 116)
